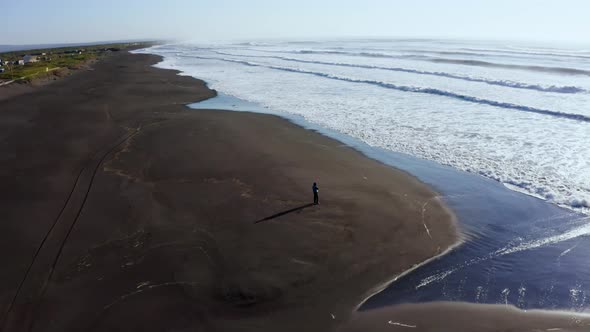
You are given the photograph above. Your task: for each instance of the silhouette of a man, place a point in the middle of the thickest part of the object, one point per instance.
(316, 199)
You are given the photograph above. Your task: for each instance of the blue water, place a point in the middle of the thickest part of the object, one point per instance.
(519, 250)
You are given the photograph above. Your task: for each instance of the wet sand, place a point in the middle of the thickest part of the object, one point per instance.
(459, 316)
(125, 210)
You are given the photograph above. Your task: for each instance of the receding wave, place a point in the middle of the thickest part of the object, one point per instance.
(573, 233)
(431, 91)
(504, 83)
(465, 62)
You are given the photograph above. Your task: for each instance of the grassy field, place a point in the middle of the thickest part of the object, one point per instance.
(56, 59)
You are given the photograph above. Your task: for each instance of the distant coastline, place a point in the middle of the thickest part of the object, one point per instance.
(44, 64)
(27, 47)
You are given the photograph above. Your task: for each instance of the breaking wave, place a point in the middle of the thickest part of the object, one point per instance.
(529, 53)
(431, 91)
(465, 62)
(504, 83)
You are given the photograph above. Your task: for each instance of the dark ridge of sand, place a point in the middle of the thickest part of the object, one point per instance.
(124, 210)
(458, 316)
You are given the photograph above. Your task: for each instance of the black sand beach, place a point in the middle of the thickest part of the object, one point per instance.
(125, 210)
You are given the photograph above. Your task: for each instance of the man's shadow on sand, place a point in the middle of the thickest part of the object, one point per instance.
(297, 209)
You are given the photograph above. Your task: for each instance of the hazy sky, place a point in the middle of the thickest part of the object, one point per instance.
(45, 21)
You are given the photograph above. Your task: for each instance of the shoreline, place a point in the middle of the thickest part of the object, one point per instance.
(382, 286)
(471, 163)
(461, 316)
(491, 206)
(461, 237)
(169, 228)
(378, 156)
(379, 288)
(460, 240)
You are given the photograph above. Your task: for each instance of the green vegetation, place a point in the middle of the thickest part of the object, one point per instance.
(57, 59)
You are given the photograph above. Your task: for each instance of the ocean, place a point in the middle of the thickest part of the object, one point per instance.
(517, 114)
(480, 122)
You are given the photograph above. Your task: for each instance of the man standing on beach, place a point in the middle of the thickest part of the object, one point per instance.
(316, 199)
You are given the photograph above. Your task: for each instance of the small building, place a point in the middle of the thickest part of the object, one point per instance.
(30, 58)
(20, 62)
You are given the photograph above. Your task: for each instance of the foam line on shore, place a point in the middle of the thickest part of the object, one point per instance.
(377, 289)
(464, 316)
(511, 249)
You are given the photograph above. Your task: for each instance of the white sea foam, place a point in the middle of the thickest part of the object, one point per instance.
(583, 230)
(523, 121)
(577, 231)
